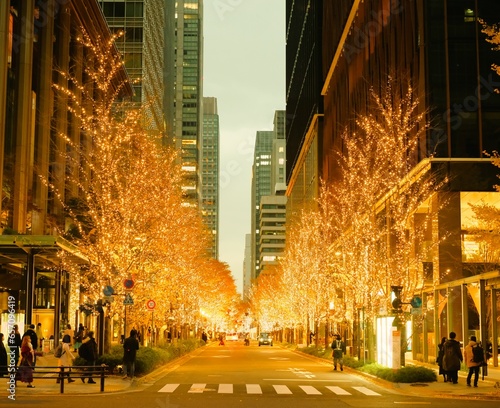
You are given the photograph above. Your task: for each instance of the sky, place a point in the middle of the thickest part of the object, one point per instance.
(244, 68)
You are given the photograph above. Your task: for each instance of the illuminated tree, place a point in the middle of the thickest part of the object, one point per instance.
(127, 212)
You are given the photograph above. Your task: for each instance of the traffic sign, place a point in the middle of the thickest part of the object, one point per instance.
(128, 301)
(128, 284)
(108, 290)
(150, 304)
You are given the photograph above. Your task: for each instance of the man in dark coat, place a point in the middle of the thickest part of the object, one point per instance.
(34, 340)
(452, 357)
(130, 347)
(88, 351)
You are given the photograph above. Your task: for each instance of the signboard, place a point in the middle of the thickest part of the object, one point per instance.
(128, 301)
(150, 304)
(396, 349)
(108, 290)
(128, 284)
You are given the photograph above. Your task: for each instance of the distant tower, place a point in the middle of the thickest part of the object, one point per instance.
(266, 171)
(209, 171)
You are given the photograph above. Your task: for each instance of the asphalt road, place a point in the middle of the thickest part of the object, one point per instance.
(238, 376)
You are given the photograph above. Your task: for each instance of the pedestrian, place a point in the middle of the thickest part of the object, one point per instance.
(439, 359)
(452, 358)
(15, 342)
(80, 334)
(339, 349)
(130, 347)
(34, 340)
(472, 365)
(3, 357)
(66, 359)
(221, 340)
(88, 351)
(68, 331)
(39, 334)
(25, 369)
(204, 336)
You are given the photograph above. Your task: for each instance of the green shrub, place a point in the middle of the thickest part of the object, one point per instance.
(409, 374)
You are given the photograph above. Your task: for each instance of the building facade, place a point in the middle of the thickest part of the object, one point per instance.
(37, 46)
(436, 46)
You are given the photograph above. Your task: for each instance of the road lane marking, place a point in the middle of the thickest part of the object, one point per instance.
(303, 379)
(310, 390)
(282, 389)
(254, 389)
(366, 391)
(197, 388)
(169, 388)
(337, 390)
(225, 388)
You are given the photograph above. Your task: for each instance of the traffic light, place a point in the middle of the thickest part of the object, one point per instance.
(396, 302)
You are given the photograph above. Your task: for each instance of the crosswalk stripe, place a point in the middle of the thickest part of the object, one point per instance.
(337, 390)
(366, 391)
(279, 389)
(169, 388)
(254, 389)
(282, 389)
(225, 388)
(308, 389)
(197, 388)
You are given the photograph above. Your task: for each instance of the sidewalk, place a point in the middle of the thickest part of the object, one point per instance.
(489, 388)
(112, 383)
(48, 385)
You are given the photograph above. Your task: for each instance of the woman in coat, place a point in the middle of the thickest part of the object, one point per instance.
(471, 365)
(439, 359)
(25, 369)
(66, 358)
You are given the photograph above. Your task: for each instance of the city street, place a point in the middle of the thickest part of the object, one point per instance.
(235, 375)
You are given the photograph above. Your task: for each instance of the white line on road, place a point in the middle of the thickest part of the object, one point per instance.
(197, 388)
(310, 390)
(338, 390)
(254, 389)
(282, 389)
(366, 391)
(169, 388)
(225, 388)
(303, 379)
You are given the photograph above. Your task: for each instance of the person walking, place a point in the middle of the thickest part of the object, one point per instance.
(68, 331)
(25, 369)
(439, 359)
(471, 364)
(66, 358)
(80, 334)
(130, 347)
(3, 357)
(39, 334)
(34, 340)
(88, 351)
(15, 342)
(339, 349)
(452, 357)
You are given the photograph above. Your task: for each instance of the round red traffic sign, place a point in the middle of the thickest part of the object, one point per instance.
(128, 284)
(150, 304)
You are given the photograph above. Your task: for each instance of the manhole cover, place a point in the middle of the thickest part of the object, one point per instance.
(419, 385)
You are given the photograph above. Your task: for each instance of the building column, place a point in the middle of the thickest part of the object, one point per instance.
(63, 39)
(494, 324)
(4, 67)
(465, 314)
(43, 123)
(30, 286)
(25, 117)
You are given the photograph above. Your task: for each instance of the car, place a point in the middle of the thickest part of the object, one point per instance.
(231, 336)
(265, 339)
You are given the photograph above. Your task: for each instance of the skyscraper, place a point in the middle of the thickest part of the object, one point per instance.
(268, 179)
(163, 52)
(209, 171)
